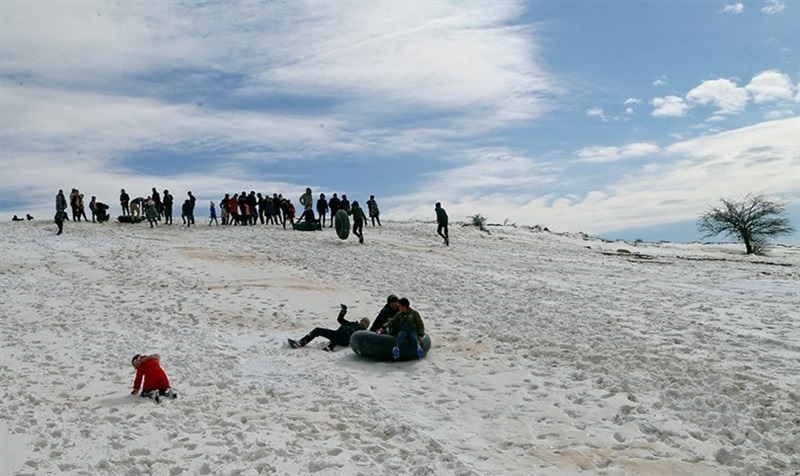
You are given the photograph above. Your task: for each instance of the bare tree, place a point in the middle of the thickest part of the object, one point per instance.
(752, 220)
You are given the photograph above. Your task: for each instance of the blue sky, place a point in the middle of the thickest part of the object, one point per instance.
(618, 119)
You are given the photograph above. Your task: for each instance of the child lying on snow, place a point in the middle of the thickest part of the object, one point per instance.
(156, 383)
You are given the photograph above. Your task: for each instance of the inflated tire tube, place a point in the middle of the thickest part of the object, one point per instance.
(341, 222)
(379, 346)
(306, 226)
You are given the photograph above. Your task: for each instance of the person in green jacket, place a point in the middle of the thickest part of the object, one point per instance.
(407, 326)
(358, 221)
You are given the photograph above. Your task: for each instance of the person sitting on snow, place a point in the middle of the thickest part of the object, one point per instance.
(387, 312)
(340, 336)
(406, 326)
(156, 384)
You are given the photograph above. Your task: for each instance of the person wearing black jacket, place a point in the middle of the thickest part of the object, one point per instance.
(333, 204)
(167, 202)
(389, 310)
(344, 204)
(192, 201)
(340, 336)
(322, 208)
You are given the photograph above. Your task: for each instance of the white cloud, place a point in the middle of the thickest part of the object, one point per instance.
(597, 112)
(629, 110)
(735, 8)
(111, 80)
(659, 83)
(722, 93)
(599, 153)
(639, 149)
(773, 7)
(630, 101)
(688, 176)
(771, 86)
(669, 106)
(604, 154)
(779, 114)
(441, 55)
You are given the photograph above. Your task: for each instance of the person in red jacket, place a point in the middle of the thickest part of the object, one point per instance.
(156, 383)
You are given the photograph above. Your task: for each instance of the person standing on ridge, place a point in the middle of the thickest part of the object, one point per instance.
(344, 204)
(192, 201)
(151, 211)
(333, 204)
(157, 199)
(441, 220)
(93, 207)
(374, 212)
(187, 212)
(306, 199)
(61, 210)
(124, 200)
(167, 201)
(322, 208)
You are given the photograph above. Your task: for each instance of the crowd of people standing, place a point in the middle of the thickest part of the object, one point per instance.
(238, 209)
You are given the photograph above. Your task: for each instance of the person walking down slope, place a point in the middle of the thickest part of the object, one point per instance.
(358, 221)
(61, 211)
(441, 220)
(212, 214)
(340, 336)
(151, 211)
(374, 212)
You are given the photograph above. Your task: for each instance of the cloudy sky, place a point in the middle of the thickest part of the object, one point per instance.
(619, 119)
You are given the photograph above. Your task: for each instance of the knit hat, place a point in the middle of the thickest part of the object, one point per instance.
(391, 298)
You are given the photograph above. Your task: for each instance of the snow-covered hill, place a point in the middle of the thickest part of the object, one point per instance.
(552, 354)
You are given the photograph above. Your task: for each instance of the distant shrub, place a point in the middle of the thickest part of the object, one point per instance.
(479, 221)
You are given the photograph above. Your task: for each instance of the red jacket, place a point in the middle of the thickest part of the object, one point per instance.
(233, 206)
(154, 376)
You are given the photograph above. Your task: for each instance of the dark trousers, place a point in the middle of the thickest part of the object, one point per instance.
(329, 334)
(358, 230)
(445, 235)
